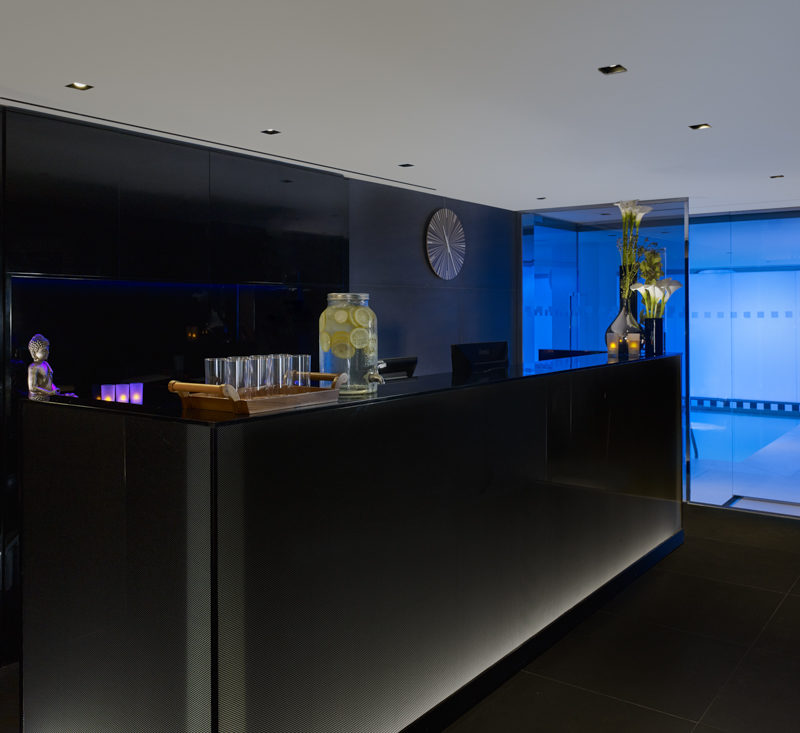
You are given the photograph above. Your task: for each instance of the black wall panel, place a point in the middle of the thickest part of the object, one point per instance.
(89, 201)
(276, 223)
(163, 210)
(60, 197)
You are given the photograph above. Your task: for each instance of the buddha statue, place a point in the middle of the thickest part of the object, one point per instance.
(40, 374)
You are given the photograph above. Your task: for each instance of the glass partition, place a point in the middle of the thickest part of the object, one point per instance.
(745, 346)
(571, 274)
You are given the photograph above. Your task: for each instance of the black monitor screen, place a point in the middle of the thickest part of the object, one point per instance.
(489, 357)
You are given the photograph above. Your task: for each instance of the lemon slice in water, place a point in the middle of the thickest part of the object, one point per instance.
(359, 337)
(361, 316)
(324, 341)
(343, 350)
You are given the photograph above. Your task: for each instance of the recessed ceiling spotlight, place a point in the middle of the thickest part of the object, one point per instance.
(701, 126)
(613, 69)
(271, 131)
(79, 85)
(405, 165)
(541, 198)
(780, 175)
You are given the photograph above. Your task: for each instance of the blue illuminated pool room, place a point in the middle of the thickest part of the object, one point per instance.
(399, 368)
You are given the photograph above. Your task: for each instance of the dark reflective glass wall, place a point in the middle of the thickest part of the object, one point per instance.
(122, 331)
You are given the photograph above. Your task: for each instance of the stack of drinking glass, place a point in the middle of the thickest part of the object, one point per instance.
(260, 375)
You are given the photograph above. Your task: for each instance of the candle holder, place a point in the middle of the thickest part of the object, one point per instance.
(137, 393)
(624, 336)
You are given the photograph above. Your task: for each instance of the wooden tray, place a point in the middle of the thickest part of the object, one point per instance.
(224, 399)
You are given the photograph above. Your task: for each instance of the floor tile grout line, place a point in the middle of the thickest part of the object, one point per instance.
(690, 537)
(610, 697)
(728, 582)
(746, 545)
(742, 658)
(741, 645)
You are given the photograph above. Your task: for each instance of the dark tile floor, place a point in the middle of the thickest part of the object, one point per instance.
(707, 641)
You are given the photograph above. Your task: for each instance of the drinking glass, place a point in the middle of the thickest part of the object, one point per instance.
(279, 366)
(300, 369)
(234, 371)
(249, 369)
(215, 370)
(260, 380)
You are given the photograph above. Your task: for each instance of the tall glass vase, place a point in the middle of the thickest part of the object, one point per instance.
(653, 336)
(632, 299)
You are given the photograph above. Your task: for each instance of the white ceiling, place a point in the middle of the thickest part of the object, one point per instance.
(494, 102)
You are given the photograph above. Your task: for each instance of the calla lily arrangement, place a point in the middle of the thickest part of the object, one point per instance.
(629, 248)
(656, 289)
(655, 295)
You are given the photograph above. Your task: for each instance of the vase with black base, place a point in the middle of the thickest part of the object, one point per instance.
(653, 336)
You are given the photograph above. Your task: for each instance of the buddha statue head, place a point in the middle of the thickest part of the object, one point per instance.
(39, 347)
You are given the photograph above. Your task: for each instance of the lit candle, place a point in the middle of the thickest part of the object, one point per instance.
(613, 344)
(123, 392)
(634, 345)
(107, 392)
(136, 393)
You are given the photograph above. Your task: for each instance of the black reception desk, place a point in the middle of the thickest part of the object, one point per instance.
(342, 568)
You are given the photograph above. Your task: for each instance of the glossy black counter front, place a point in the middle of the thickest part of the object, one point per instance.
(333, 569)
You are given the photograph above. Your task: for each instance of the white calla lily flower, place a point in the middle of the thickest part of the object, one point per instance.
(655, 295)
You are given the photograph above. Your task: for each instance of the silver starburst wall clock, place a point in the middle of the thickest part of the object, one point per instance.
(445, 243)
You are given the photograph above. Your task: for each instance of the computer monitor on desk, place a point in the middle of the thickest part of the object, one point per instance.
(397, 367)
(481, 360)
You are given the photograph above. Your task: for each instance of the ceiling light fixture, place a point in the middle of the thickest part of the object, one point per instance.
(701, 126)
(780, 175)
(405, 165)
(271, 131)
(613, 69)
(79, 85)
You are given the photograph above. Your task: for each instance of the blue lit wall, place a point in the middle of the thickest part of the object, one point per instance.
(745, 351)
(549, 286)
(744, 300)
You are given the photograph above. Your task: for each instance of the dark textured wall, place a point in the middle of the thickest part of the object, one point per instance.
(420, 314)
